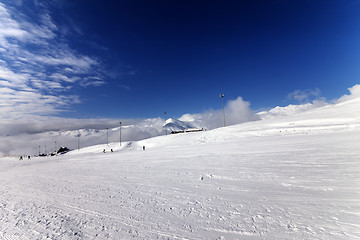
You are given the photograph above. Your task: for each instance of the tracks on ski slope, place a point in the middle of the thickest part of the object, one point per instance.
(296, 187)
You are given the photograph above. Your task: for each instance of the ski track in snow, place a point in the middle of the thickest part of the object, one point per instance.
(222, 184)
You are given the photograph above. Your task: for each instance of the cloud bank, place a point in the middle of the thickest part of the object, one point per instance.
(25, 136)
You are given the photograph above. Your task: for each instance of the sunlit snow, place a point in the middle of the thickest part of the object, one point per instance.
(289, 177)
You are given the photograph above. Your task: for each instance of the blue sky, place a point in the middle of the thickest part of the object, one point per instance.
(137, 59)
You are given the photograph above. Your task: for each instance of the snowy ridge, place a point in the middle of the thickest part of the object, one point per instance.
(288, 110)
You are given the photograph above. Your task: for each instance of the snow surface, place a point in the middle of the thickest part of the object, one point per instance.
(292, 177)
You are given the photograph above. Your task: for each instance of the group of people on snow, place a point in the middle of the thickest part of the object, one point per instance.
(104, 151)
(21, 158)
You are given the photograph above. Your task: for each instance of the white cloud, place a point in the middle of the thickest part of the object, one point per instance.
(304, 96)
(93, 82)
(9, 28)
(62, 77)
(37, 63)
(67, 59)
(236, 111)
(8, 78)
(15, 104)
(47, 21)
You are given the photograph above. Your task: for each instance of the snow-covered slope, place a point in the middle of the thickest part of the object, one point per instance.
(290, 177)
(289, 110)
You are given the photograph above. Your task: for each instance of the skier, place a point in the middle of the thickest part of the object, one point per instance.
(144, 148)
(29, 157)
(104, 151)
(20, 158)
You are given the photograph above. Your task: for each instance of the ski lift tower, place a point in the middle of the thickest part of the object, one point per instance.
(120, 133)
(78, 140)
(165, 124)
(222, 98)
(107, 136)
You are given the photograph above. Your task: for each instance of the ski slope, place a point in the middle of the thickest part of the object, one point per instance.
(290, 177)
